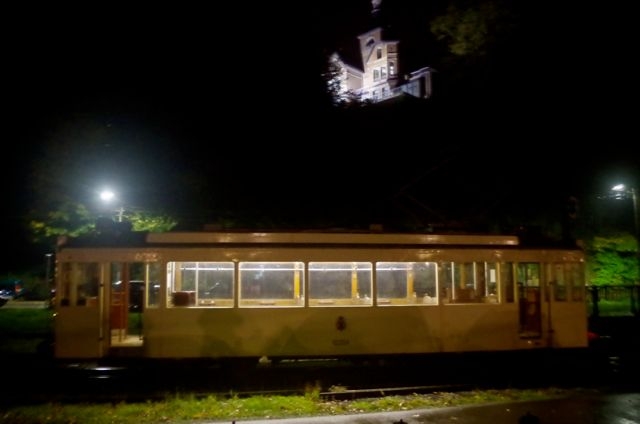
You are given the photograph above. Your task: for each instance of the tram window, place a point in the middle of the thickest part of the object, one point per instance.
(575, 279)
(486, 283)
(459, 283)
(80, 283)
(556, 282)
(529, 274)
(406, 283)
(507, 281)
(207, 284)
(153, 271)
(340, 283)
(425, 281)
(189, 271)
(271, 284)
(395, 280)
(142, 282)
(492, 280)
(446, 280)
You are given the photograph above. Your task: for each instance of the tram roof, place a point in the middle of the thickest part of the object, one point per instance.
(328, 238)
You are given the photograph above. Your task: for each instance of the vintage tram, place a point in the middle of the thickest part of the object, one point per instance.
(277, 295)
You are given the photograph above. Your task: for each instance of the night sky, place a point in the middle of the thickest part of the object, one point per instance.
(218, 113)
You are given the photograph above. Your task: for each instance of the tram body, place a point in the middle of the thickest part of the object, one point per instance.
(315, 295)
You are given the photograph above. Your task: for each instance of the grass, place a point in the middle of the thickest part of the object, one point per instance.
(22, 331)
(613, 308)
(26, 322)
(180, 409)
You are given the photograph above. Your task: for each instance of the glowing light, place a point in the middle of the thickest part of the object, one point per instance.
(107, 195)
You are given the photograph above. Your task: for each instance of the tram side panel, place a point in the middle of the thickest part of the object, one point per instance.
(329, 332)
(77, 333)
(291, 332)
(325, 331)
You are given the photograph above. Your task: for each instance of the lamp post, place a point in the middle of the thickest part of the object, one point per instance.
(48, 269)
(621, 191)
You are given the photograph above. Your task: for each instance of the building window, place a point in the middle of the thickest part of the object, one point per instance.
(392, 68)
(379, 53)
(383, 72)
(376, 75)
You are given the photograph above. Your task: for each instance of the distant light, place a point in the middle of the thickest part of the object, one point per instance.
(618, 187)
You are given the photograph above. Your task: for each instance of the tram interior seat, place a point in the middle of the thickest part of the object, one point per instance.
(184, 298)
(463, 295)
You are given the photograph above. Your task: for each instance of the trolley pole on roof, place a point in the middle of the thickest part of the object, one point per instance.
(108, 196)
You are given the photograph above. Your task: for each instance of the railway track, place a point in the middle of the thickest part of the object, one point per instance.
(50, 381)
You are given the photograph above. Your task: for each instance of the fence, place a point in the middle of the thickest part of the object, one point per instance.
(610, 300)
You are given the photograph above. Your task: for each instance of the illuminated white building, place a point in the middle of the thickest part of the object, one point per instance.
(374, 73)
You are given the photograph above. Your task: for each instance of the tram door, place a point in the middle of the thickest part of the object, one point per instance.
(134, 287)
(529, 300)
(125, 303)
(118, 305)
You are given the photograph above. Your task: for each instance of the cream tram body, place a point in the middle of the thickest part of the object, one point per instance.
(309, 295)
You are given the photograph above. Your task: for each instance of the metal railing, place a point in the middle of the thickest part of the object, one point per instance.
(613, 300)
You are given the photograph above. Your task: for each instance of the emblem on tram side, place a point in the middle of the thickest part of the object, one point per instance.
(341, 323)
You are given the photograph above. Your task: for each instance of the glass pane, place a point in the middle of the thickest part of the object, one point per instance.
(80, 284)
(214, 282)
(153, 286)
(340, 283)
(492, 278)
(394, 279)
(271, 283)
(559, 282)
(575, 278)
(200, 283)
(425, 281)
(507, 281)
(406, 283)
(446, 278)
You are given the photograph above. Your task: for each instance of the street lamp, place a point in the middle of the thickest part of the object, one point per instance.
(108, 196)
(47, 270)
(621, 191)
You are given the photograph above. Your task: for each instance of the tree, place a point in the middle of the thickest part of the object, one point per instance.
(75, 219)
(336, 88)
(612, 260)
(473, 30)
(79, 156)
(69, 219)
(142, 221)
